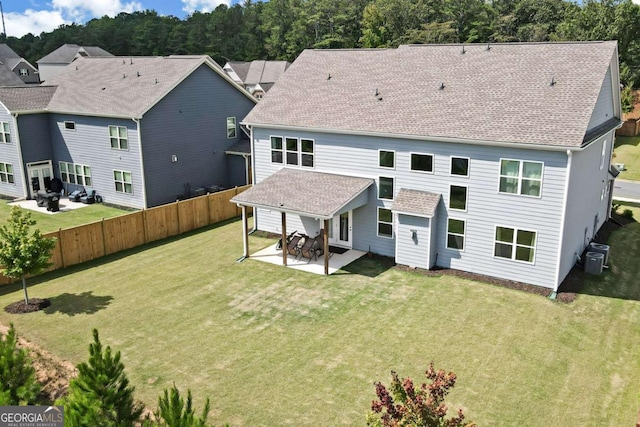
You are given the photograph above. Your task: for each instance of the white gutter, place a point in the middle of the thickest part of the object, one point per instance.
(142, 174)
(25, 189)
(563, 219)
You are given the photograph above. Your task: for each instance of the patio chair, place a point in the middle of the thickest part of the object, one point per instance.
(313, 250)
(296, 243)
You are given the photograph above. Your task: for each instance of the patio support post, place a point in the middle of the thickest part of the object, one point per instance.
(284, 238)
(326, 247)
(245, 231)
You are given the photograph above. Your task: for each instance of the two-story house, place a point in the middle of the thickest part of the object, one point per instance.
(56, 61)
(18, 66)
(256, 76)
(492, 159)
(140, 131)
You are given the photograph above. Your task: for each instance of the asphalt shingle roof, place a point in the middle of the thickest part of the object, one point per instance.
(313, 194)
(9, 78)
(421, 203)
(26, 97)
(500, 94)
(67, 52)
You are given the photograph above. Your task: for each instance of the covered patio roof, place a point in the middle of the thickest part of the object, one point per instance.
(307, 193)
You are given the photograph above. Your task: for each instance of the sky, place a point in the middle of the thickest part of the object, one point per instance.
(35, 16)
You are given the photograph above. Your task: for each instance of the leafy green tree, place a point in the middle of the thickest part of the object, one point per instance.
(423, 407)
(23, 252)
(18, 384)
(174, 412)
(628, 98)
(101, 395)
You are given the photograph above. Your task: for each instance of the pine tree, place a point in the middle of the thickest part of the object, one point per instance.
(174, 412)
(101, 395)
(18, 384)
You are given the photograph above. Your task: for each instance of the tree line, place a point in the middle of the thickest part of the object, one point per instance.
(281, 29)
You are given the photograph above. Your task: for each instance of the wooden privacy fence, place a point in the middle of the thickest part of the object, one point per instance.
(108, 236)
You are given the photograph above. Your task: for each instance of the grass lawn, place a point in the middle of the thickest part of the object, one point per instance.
(275, 347)
(47, 222)
(627, 151)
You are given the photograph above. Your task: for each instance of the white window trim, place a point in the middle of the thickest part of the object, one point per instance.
(24, 71)
(451, 166)
(235, 127)
(13, 174)
(4, 138)
(73, 165)
(393, 193)
(271, 150)
(286, 152)
(312, 154)
(113, 174)
(464, 235)
(519, 193)
(73, 124)
(119, 147)
(514, 244)
(394, 159)
(378, 222)
(466, 199)
(433, 162)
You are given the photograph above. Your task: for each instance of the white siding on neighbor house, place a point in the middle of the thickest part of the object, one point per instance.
(603, 109)
(486, 207)
(414, 253)
(9, 154)
(585, 200)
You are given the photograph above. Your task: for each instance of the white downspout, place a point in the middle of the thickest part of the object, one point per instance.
(23, 174)
(562, 222)
(142, 173)
(253, 179)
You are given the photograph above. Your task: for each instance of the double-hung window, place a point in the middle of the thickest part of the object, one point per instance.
(307, 152)
(520, 177)
(276, 149)
(5, 132)
(515, 244)
(385, 222)
(291, 147)
(455, 233)
(72, 173)
(232, 130)
(6, 173)
(118, 136)
(122, 180)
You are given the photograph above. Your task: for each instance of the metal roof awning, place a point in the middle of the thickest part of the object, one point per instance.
(307, 193)
(416, 203)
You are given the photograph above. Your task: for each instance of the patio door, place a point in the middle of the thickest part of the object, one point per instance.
(40, 174)
(340, 230)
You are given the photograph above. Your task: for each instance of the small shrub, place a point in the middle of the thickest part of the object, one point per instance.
(174, 412)
(627, 213)
(18, 384)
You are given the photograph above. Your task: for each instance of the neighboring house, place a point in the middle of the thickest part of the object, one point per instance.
(53, 63)
(10, 60)
(492, 159)
(138, 130)
(257, 76)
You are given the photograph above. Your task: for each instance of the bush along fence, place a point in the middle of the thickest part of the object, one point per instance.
(108, 236)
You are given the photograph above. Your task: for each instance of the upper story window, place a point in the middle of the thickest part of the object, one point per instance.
(75, 174)
(518, 245)
(421, 162)
(520, 177)
(292, 151)
(385, 188)
(232, 130)
(70, 125)
(276, 149)
(6, 173)
(458, 197)
(386, 159)
(24, 72)
(459, 166)
(123, 182)
(307, 152)
(5, 132)
(118, 135)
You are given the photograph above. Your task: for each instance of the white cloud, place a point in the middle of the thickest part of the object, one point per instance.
(32, 21)
(79, 10)
(203, 6)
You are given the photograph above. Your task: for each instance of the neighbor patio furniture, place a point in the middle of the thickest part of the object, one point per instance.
(296, 244)
(313, 248)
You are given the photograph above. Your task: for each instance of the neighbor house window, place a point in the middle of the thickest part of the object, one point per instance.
(604, 151)
(306, 156)
(75, 174)
(70, 125)
(24, 72)
(231, 127)
(520, 177)
(458, 197)
(123, 182)
(6, 173)
(515, 244)
(118, 135)
(387, 159)
(455, 234)
(276, 149)
(460, 166)
(385, 223)
(385, 188)
(5, 132)
(421, 162)
(292, 150)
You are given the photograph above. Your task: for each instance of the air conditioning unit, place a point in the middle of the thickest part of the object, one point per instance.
(593, 263)
(619, 166)
(600, 248)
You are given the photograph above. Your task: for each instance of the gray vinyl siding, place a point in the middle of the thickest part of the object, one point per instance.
(486, 207)
(603, 109)
(414, 253)
(586, 182)
(89, 144)
(190, 123)
(35, 137)
(9, 154)
(237, 171)
(32, 77)
(47, 71)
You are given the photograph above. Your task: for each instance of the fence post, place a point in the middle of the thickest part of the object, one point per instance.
(208, 208)
(178, 216)
(64, 264)
(104, 238)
